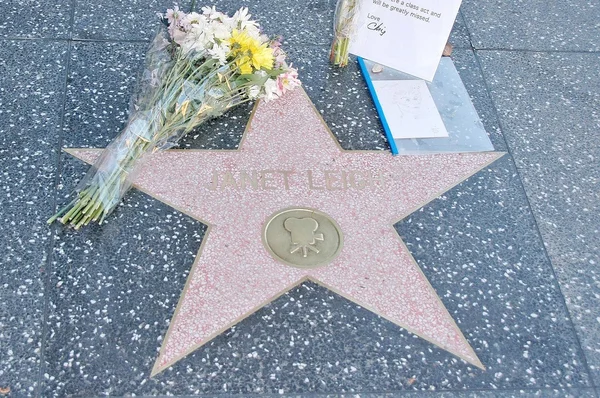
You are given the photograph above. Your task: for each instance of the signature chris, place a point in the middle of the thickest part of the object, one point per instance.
(376, 25)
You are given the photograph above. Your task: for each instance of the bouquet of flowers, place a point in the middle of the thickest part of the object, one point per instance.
(346, 12)
(198, 67)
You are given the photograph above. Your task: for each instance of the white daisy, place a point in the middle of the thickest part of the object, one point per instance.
(219, 52)
(271, 90)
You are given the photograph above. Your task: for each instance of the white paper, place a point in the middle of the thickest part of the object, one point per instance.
(409, 109)
(405, 35)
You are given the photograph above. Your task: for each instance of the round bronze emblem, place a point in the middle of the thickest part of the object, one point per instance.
(303, 238)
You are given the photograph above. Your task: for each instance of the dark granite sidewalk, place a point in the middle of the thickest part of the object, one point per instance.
(513, 252)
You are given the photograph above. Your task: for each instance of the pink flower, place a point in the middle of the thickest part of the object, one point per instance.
(279, 56)
(288, 80)
(276, 42)
(174, 17)
(178, 35)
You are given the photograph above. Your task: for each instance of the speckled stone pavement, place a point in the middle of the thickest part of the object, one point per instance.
(512, 252)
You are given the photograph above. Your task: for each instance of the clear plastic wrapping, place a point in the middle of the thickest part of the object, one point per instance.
(197, 67)
(346, 13)
(158, 119)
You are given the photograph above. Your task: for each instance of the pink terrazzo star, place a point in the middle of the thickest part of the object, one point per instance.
(288, 158)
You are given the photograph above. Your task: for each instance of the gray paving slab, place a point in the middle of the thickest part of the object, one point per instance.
(459, 37)
(299, 22)
(536, 25)
(120, 20)
(35, 19)
(470, 73)
(32, 78)
(541, 393)
(490, 269)
(112, 291)
(101, 80)
(549, 108)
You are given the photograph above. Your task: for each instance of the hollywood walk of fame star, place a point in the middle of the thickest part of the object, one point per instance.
(288, 159)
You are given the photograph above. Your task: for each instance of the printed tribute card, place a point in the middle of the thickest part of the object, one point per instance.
(405, 35)
(409, 109)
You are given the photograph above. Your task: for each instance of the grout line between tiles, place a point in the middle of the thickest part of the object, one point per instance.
(525, 50)
(76, 39)
(528, 50)
(53, 228)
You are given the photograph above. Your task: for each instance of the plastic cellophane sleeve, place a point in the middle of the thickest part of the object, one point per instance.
(346, 12)
(113, 173)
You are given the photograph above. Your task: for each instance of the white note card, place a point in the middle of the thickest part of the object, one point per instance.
(405, 35)
(409, 109)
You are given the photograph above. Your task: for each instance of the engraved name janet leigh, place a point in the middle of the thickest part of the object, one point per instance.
(283, 179)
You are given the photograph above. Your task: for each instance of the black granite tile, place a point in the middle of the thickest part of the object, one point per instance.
(307, 341)
(344, 101)
(529, 393)
(112, 292)
(549, 108)
(569, 393)
(301, 22)
(306, 22)
(120, 20)
(470, 73)
(221, 133)
(481, 250)
(540, 393)
(459, 37)
(342, 98)
(103, 76)
(35, 19)
(101, 80)
(534, 25)
(32, 77)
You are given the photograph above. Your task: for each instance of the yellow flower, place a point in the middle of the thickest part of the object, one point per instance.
(244, 65)
(239, 42)
(262, 56)
(250, 52)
